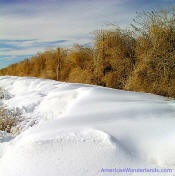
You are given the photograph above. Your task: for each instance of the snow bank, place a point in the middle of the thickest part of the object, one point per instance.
(82, 129)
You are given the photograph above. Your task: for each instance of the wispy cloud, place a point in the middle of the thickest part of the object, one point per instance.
(25, 47)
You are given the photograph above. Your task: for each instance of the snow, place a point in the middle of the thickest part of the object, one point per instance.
(77, 129)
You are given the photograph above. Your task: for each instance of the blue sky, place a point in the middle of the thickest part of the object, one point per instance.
(31, 26)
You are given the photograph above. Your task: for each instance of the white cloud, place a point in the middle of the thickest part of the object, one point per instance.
(28, 51)
(73, 21)
(67, 22)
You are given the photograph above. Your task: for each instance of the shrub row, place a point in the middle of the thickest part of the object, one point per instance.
(141, 59)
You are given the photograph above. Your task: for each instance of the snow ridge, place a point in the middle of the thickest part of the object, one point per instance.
(79, 129)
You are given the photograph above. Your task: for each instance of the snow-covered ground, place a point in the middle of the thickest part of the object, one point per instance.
(79, 130)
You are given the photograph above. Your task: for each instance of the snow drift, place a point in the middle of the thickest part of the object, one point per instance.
(76, 130)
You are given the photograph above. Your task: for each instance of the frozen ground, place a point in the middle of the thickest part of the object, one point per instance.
(76, 130)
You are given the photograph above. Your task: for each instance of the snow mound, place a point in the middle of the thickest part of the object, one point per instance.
(4, 139)
(81, 129)
(68, 153)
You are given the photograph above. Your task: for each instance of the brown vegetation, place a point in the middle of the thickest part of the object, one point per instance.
(9, 120)
(139, 60)
(155, 53)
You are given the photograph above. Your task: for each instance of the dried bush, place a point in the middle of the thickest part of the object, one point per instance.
(9, 120)
(114, 57)
(155, 52)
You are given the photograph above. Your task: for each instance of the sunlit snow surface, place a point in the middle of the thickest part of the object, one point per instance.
(81, 129)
